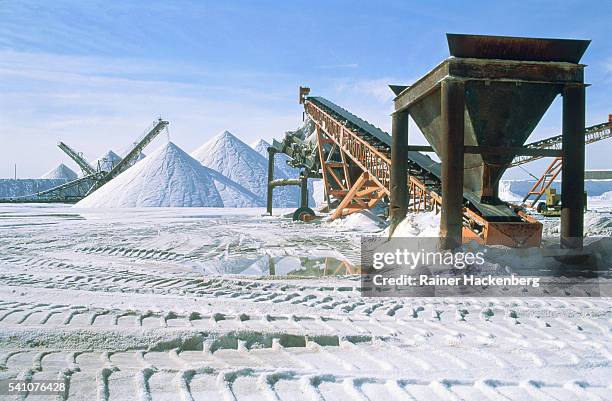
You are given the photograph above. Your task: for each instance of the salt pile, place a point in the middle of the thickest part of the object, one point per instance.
(363, 220)
(232, 193)
(168, 177)
(426, 224)
(107, 161)
(280, 159)
(61, 172)
(597, 224)
(237, 161)
(505, 192)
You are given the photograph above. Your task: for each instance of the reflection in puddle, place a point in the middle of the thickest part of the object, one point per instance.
(68, 216)
(300, 266)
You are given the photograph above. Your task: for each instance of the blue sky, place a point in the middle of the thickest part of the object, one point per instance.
(96, 74)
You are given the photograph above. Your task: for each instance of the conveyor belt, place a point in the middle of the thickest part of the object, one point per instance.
(420, 165)
(592, 134)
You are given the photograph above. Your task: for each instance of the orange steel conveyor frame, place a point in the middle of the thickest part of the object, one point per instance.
(335, 137)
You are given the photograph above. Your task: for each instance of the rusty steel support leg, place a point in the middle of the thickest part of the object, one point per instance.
(304, 189)
(572, 183)
(398, 196)
(453, 100)
(271, 152)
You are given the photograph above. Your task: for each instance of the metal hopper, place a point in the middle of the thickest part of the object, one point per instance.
(508, 88)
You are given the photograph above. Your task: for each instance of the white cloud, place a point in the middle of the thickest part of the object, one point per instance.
(376, 89)
(96, 104)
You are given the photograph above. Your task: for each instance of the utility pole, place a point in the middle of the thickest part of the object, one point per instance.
(15, 170)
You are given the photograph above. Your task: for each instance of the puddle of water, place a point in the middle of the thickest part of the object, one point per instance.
(300, 266)
(70, 216)
(296, 266)
(26, 225)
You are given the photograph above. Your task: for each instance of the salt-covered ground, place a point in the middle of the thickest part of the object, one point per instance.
(177, 304)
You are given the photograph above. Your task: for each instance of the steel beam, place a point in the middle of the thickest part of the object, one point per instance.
(452, 114)
(553, 73)
(304, 189)
(284, 182)
(398, 196)
(420, 148)
(516, 48)
(572, 183)
(77, 158)
(496, 150)
(271, 153)
(518, 151)
(301, 181)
